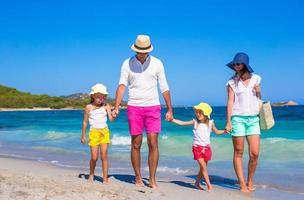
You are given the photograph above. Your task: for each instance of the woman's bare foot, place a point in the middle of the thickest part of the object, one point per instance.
(244, 189)
(251, 187)
(209, 187)
(197, 185)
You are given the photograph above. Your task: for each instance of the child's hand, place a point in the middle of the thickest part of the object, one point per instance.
(83, 140)
(115, 113)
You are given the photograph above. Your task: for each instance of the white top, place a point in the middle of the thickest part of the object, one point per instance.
(98, 117)
(142, 80)
(201, 133)
(246, 103)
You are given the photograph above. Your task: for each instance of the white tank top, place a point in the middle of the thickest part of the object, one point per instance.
(246, 102)
(98, 117)
(201, 133)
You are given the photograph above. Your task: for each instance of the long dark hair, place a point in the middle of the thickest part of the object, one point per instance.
(242, 72)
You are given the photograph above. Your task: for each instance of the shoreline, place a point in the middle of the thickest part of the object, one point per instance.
(37, 180)
(36, 109)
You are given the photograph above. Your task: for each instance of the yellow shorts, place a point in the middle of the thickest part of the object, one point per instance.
(99, 136)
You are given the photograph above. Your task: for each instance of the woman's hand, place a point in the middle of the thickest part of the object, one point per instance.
(228, 127)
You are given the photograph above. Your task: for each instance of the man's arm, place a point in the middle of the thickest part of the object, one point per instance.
(167, 98)
(118, 98)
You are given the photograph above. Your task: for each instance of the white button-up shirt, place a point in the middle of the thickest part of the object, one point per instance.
(246, 102)
(142, 80)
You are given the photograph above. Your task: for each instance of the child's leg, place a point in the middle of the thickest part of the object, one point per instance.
(94, 158)
(104, 159)
(203, 169)
(198, 179)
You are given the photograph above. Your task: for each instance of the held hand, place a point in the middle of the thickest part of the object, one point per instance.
(83, 140)
(115, 113)
(228, 127)
(169, 116)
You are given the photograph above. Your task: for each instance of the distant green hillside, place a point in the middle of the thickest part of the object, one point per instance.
(12, 98)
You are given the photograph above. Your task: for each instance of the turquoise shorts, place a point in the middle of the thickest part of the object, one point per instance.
(245, 125)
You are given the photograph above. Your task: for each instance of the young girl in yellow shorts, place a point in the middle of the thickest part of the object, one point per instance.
(99, 137)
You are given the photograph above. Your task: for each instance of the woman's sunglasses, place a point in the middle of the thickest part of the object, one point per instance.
(236, 64)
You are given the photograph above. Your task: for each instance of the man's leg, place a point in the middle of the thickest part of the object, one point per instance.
(136, 158)
(153, 157)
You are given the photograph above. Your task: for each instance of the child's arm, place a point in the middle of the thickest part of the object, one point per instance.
(216, 131)
(108, 109)
(85, 123)
(182, 123)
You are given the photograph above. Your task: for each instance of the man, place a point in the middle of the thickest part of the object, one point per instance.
(141, 73)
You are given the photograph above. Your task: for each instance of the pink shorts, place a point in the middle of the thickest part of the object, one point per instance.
(204, 152)
(144, 117)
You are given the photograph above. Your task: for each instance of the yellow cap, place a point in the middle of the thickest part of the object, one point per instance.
(205, 108)
(99, 88)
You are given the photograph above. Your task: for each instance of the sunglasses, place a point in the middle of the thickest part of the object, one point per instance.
(236, 64)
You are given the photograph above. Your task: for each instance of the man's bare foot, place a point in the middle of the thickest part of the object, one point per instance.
(197, 185)
(91, 179)
(209, 188)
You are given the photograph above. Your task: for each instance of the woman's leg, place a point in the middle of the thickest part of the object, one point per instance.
(238, 146)
(204, 172)
(105, 163)
(94, 158)
(253, 149)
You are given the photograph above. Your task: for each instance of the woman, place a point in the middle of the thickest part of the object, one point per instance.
(244, 93)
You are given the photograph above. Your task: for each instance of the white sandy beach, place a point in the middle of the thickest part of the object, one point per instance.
(23, 179)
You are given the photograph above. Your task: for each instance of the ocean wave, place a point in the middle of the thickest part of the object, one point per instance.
(176, 171)
(120, 140)
(276, 140)
(54, 135)
(123, 140)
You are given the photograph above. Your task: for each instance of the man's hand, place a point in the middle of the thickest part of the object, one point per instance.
(169, 116)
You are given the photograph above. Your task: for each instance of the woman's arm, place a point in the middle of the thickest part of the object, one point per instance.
(108, 109)
(230, 101)
(216, 131)
(182, 123)
(257, 89)
(85, 123)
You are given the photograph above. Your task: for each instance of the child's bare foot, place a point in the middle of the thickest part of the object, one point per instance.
(153, 185)
(197, 185)
(105, 181)
(139, 182)
(91, 179)
(209, 188)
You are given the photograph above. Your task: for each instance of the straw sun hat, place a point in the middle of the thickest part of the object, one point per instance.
(99, 88)
(142, 44)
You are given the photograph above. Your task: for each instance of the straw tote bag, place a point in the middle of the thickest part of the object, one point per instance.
(266, 116)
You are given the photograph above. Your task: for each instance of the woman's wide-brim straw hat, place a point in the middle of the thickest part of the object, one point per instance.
(242, 58)
(142, 44)
(99, 88)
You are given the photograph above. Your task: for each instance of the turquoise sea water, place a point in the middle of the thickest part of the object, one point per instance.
(54, 137)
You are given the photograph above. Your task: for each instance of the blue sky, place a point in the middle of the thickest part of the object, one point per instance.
(64, 47)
